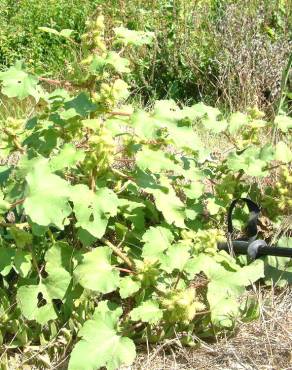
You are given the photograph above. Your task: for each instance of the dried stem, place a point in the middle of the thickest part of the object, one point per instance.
(15, 141)
(119, 253)
(19, 226)
(20, 201)
(125, 114)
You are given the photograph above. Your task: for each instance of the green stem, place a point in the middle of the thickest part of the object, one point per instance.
(34, 262)
(51, 236)
(284, 81)
(177, 280)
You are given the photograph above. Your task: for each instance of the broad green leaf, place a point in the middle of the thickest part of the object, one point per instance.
(128, 287)
(213, 206)
(68, 114)
(108, 311)
(121, 65)
(258, 123)
(120, 90)
(67, 33)
(192, 213)
(95, 271)
(93, 210)
(201, 263)
(85, 237)
(16, 83)
(21, 237)
(145, 126)
(22, 262)
(67, 157)
(167, 111)
(5, 172)
(194, 190)
(59, 255)
(4, 205)
(57, 283)
(267, 153)
(93, 124)
(284, 123)
(97, 65)
(225, 288)
(49, 30)
(184, 137)
(285, 241)
(35, 303)
(213, 125)
(156, 161)
(237, 121)
(148, 311)
(244, 276)
(283, 152)
(169, 115)
(148, 182)
(133, 211)
(226, 260)
(57, 96)
(249, 161)
(27, 164)
(250, 309)
(170, 205)
(209, 117)
(201, 110)
(175, 258)
(191, 170)
(131, 37)
(278, 270)
(4, 305)
(6, 260)
(101, 345)
(48, 195)
(38, 230)
(59, 267)
(81, 104)
(156, 239)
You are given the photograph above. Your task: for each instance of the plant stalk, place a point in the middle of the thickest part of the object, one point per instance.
(119, 253)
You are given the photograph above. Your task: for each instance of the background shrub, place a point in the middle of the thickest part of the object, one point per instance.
(20, 37)
(229, 53)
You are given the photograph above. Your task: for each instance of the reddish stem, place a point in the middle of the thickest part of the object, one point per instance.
(55, 82)
(125, 270)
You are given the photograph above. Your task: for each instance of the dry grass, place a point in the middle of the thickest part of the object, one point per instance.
(265, 344)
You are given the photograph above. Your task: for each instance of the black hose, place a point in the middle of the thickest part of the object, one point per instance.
(241, 247)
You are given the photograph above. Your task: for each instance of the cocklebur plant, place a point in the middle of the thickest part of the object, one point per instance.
(116, 224)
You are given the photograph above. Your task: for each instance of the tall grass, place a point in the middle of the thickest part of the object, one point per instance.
(226, 52)
(20, 37)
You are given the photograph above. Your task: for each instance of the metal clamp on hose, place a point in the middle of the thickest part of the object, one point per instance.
(253, 248)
